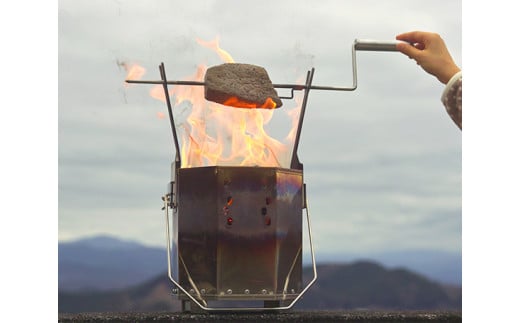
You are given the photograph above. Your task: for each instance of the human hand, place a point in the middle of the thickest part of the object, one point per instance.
(430, 52)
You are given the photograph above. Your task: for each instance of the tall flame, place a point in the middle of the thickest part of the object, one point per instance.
(213, 134)
(215, 45)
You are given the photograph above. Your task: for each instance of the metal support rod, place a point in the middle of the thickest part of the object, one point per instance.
(295, 163)
(293, 87)
(170, 113)
(168, 82)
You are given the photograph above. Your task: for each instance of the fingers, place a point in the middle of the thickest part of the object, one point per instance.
(418, 40)
(430, 52)
(408, 50)
(413, 37)
(420, 46)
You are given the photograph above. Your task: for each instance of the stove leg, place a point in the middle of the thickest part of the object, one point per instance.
(189, 306)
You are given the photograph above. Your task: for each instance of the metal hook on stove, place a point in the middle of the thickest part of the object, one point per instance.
(288, 97)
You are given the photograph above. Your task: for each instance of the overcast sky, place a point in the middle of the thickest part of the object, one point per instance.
(382, 163)
(390, 179)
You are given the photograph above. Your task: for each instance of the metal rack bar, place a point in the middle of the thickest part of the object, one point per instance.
(295, 163)
(164, 83)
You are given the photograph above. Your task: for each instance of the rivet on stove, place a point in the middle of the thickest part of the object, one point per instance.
(229, 291)
(264, 291)
(203, 291)
(246, 291)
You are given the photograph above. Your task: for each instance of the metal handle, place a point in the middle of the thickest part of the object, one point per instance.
(358, 45)
(376, 45)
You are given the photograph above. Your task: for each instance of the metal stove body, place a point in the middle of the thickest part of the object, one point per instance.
(238, 233)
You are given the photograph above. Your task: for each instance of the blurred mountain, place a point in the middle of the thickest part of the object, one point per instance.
(441, 266)
(105, 263)
(359, 285)
(369, 285)
(153, 295)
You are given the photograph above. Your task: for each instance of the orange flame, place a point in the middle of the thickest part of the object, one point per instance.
(237, 103)
(134, 71)
(211, 134)
(214, 45)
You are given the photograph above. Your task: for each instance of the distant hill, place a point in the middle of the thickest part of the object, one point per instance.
(345, 286)
(152, 296)
(105, 263)
(441, 266)
(368, 285)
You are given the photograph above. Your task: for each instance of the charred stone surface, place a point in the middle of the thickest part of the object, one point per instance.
(248, 83)
(322, 316)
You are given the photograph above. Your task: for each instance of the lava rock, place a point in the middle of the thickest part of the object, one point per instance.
(248, 83)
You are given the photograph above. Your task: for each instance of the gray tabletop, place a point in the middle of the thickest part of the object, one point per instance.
(293, 316)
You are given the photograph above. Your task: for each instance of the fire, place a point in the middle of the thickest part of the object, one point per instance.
(214, 45)
(212, 134)
(134, 71)
(236, 102)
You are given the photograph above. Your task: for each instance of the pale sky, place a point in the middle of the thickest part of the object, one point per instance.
(382, 164)
(389, 179)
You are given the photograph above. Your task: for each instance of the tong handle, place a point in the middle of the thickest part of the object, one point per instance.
(376, 45)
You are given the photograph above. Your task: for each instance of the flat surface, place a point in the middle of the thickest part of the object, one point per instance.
(296, 316)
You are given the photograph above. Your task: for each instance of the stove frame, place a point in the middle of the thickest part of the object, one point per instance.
(250, 213)
(238, 236)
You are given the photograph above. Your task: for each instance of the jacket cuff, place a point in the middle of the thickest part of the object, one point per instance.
(450, 83)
